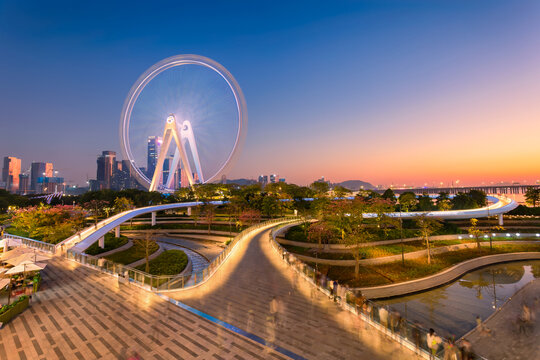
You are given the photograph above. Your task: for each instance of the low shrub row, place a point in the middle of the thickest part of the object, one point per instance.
(134, 253)
(169, 262)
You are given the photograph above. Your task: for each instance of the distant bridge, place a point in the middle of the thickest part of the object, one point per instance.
(491, 189)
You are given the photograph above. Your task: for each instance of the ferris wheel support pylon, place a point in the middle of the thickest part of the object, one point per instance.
(170, 132)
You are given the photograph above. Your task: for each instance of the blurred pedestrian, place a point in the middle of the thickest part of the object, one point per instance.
(433, 341)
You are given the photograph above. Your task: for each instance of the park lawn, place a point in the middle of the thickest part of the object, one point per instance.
(375, 275)
(169, 262)
(134, 253)
(111, 243)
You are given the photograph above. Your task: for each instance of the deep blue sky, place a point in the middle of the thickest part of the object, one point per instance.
(372, 90)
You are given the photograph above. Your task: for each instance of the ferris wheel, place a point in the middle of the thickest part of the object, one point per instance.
(184, 118)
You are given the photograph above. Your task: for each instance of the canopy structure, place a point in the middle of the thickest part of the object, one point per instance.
(25, 267)
(27, 257)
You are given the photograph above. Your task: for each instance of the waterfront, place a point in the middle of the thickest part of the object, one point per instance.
(452, 309)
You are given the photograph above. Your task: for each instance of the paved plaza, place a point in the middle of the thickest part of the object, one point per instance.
(83, 314)
(505, 341)
(309, 324)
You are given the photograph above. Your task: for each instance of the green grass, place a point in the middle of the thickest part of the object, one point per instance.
(134, 253)
(395, 272)
(169, 262)
(111, 243)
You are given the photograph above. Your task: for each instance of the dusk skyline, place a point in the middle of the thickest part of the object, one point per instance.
(385, 92)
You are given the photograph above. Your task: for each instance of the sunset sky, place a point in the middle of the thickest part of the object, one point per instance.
(381, 91)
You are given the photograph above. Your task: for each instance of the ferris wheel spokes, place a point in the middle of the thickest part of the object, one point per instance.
(185, 135)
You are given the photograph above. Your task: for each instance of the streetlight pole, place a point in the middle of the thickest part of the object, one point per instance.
(401, 236)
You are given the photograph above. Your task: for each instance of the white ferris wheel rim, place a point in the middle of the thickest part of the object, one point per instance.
(155, 70)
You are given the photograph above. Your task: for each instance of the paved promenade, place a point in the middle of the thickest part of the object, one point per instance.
(505, 342)
(309, 324)
(83, 314)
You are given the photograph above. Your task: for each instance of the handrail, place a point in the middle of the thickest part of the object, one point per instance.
(167, 283)
(32, 243)
(403, 331)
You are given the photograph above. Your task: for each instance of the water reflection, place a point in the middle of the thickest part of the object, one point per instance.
(452, 309)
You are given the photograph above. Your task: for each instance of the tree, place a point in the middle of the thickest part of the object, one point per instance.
(271, 205)
(382, 208)
(146, 243)
(320, 188)
(479, 197)
(249, 217)
(532, 196)
(209, 211)
(97, 208)
(443, 202)
(407, 200)
(475, 231)
(425, 203)
(427, 226)
(389, 195)
(122, 204)
(318, 231)
(340, 191)
(356, 231)
(462, 201)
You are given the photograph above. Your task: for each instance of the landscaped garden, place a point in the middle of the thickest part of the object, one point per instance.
(394, 272)
(169, 262)
(111, 243)
(137, 252)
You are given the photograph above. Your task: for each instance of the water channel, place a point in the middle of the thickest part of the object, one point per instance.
(452, 308)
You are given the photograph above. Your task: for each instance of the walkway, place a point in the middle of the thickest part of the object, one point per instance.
(83, 314)
(310, 324)
(198, 261)
(505, 342)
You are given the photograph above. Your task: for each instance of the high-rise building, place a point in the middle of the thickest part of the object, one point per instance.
(154, 146)
(37, 170)
(106, 164)
(263, 180)
(10, 173)
(273, 178)
(50, 185)
(24, 184)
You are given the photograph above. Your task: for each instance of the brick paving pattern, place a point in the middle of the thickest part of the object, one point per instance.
(82, 314)
(310, 324)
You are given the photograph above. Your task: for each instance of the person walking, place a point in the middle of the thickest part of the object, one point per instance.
(433, 342)
(274, 310)
(334, 293)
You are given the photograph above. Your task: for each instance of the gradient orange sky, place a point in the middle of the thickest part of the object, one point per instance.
(383, 91)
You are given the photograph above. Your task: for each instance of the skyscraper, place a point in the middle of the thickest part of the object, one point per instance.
(105, 169)
(37, 170)
(154, 146)
(10, 173)
(24, 184)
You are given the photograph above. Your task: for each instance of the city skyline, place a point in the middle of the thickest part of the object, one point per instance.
(445, 92)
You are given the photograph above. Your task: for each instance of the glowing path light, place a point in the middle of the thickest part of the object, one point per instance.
(186, 134)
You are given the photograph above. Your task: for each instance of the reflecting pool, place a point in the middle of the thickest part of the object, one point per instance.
(452, 309)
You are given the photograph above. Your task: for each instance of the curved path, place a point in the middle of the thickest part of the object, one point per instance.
(310, 325)
(80, 242)
(444, 276)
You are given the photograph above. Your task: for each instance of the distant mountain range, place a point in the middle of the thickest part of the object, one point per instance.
(355, 185)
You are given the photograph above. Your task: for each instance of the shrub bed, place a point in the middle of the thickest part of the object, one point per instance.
(111, 243)
(134, 253)
(169, 262)
(395, 272)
